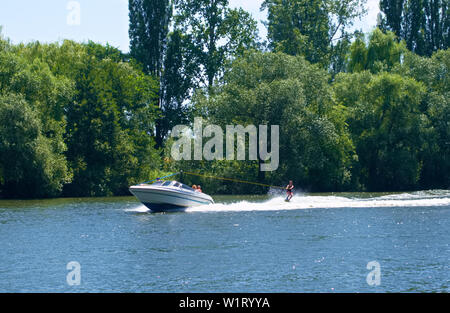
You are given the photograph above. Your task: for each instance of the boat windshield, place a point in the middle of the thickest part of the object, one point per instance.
(174, 184)
(183, 186)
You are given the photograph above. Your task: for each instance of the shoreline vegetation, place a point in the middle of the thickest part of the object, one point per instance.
(356, 112)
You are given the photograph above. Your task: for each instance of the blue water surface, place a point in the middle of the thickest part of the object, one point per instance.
(231, 248)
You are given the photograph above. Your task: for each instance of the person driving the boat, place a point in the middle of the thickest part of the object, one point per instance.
(199, 188)
(289, 191)
(194, 187)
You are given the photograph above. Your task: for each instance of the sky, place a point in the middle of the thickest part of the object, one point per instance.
(103, 21)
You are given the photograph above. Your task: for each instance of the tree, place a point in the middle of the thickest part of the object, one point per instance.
(178, 81)
(434, 73)
(205, 36)
(358, 55)
(387, 126)
(382, 53)
(308, 28)
(149, 27)
(393, 10)
(217, 34)
(29, 164)
(148, 31)
(339, 55)
(40, 97)
(109, 126)
(423, 24)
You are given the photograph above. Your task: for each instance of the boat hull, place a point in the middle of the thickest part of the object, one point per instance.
(154, 207)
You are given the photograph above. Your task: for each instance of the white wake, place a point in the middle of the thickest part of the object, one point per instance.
(308, 202)
(417, 199)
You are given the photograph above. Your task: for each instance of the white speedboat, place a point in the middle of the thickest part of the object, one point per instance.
(169, 195)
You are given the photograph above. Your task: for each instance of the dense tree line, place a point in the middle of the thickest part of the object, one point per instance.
(356, 111)
(383, 126)
(76, 119)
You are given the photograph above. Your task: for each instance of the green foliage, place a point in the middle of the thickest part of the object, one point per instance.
(277, 89)
(30, 164)
(381, 54)
(372, 114)
(339, 57)
(41, 97)
(217, 34)
(148, 31)
(206, 36)
(308, 28)
(179, 78)
(149, 27)
(109, 126)
(423, 24)
(434, 73)
(387, 128)
(358, 55)
(92, 115)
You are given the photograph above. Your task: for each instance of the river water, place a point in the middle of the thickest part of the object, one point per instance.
(315, 243)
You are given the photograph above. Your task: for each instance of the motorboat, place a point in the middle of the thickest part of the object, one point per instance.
(164, 196)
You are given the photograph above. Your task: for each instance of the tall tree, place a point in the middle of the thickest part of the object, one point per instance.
(393, 10)
(423, 24)
(149, 27)
(308, 27)
(205, 36)
(217, 33)
(178, 81)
